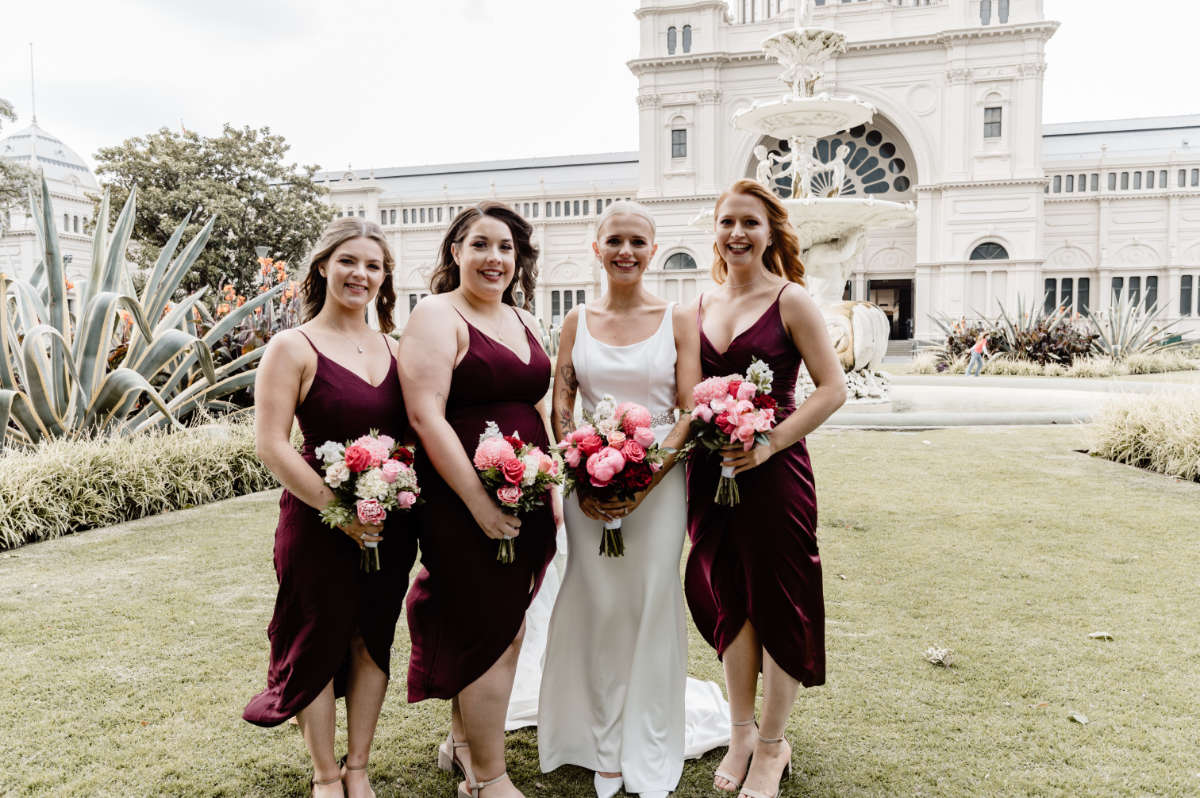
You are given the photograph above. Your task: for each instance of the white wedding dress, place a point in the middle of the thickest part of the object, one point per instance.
(612, 661)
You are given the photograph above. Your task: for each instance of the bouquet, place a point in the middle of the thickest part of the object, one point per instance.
(733, 410)
(613, 456)
(518, 474)
(369, 477)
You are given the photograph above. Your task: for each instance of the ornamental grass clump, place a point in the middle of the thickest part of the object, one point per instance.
(1159, 432)
(63, 486)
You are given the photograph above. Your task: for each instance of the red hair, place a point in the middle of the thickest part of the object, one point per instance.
(782, 256)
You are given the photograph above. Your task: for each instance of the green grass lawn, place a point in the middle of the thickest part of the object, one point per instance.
(129, 652)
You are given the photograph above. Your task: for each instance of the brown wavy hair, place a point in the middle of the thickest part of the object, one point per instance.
(446, 277)
(782, 256)
(336, 233)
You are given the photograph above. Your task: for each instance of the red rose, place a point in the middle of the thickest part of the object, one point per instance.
(404, 455)
(764, 401)
(633, 451)
(591, 444)
(357, 458)
(513, 470)
(638, 476)
(722, 421)
(733, 386)
(514, 442)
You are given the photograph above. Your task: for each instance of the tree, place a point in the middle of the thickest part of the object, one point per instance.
(14, 178)
(238, 178)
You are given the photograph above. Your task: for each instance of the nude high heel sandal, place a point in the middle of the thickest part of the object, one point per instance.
(787, 771)
(737, 783)
(448, 759)
(475, 787)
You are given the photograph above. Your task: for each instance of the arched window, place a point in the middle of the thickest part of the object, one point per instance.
(671, 35)
(680, 260)
(989, 250)
(687, 38)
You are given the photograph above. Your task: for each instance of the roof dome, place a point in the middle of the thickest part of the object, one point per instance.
(60, 163)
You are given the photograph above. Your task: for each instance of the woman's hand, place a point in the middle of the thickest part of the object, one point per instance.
(742, 460)
(610, 509)
(361, 533)
(497, 524)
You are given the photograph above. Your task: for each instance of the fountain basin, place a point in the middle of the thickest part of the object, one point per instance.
(804, 117)
(818, 219)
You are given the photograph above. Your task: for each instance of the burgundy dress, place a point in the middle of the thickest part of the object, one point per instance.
(758, 561)
(324, 595)
(465, 608)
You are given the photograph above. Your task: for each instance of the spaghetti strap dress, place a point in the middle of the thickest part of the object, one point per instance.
(465, 608)
(758, 561)
(324, 596)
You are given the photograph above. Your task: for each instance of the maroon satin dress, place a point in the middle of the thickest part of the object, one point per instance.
(465, 608)
(324, 595)
(758, 561)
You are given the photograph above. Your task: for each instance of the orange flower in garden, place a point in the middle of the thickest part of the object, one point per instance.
(70, 285)
(241, 300)
(125, 317)
(264, 262)
(222, 309)
(262, 289)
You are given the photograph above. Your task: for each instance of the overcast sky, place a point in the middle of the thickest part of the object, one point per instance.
(375, 83)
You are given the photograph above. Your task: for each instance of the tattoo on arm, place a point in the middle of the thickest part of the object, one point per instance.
(569, 378)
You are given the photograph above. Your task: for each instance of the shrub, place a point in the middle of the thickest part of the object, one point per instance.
(62, 486)
(1128, 329)
(1160, 432)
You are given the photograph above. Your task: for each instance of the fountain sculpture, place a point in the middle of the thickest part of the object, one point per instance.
(831, 228)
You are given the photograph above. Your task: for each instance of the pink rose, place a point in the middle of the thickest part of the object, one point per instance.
(513, 470)
(509, 494)
(632, 416)
(380, 448)
(746, 390)
(547, 464)
(633, 451)
(644, 436)
(703, 412)
(370, 511)
(616, 438)
(358, 458)
(406, 499)
(604, 465)
(390, 470)
(591, 444)
(764, 420)
(745, 434)
(572, 456)
(731, 387)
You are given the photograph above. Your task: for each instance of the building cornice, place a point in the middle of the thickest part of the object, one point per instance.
(995, 183)
(696, 5)
(1109, 196)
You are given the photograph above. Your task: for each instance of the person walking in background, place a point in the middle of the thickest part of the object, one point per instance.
(753, 577)
(331, 633)
(978, 350)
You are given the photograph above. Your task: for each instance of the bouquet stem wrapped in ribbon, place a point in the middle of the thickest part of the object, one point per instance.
(370, 477)
(733, 410)
(518, 475)
(613, 456)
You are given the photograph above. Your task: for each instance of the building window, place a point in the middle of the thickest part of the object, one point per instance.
(576, 207)
(1135, 291)
(1071, 184)
(392, 216)
(422, 216)
(1185, 295)
(404, 215)
(66, 223)
(1058, 184)
(1162, 178)
(680, 260)
(1150, 179)
(687, 38)
(678, 143)
(557, 208)
(585, 207)
(1112, 181)
(989, 250)
(1151, 294)
(1049, 305)
(1002, 11)
(383, 217)
(1182, 181)
(671, 40)
(992, 126)
(985, 12)
(535, 210)
(1124, 181)
(1137, 180)
(1118, 286)
(1095, 181)
(1195, 177)
(362, 214)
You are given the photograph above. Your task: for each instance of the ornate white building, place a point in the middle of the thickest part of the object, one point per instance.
(70, 181)
(1007, 207)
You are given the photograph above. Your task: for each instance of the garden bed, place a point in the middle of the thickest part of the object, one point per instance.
(1158, 432)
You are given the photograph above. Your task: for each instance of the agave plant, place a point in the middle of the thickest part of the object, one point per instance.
(55, 376)
(1127, 329)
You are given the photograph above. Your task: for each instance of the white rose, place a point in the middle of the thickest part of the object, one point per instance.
(336, 474)
(330, 452)
(532, 462)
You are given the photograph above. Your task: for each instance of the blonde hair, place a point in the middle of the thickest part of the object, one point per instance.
(630, 208)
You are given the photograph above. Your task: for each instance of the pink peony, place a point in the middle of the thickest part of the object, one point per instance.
(633, 451)
(509, 494)
(358, 458)
(491, 452)
(712, 388)
(406, 499)
(604, 465)
(590, 444)
(370, 511)
(764, 420)
(380, 448)
(644, 436)
(579, 433)
(513, 470)
(572, 456)
(390, 470)
(616, 438)
(703, 412)
(747, 390)
(632, 416)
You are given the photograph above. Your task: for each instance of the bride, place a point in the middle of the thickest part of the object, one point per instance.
(612, 695)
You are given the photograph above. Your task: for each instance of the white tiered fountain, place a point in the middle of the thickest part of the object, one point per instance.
(831, 228)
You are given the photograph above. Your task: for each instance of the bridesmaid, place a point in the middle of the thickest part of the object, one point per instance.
(612, 697)
(753, 577)
(469, 356)
(332, 630)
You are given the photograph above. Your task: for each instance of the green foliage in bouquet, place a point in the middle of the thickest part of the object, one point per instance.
(59, 376)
